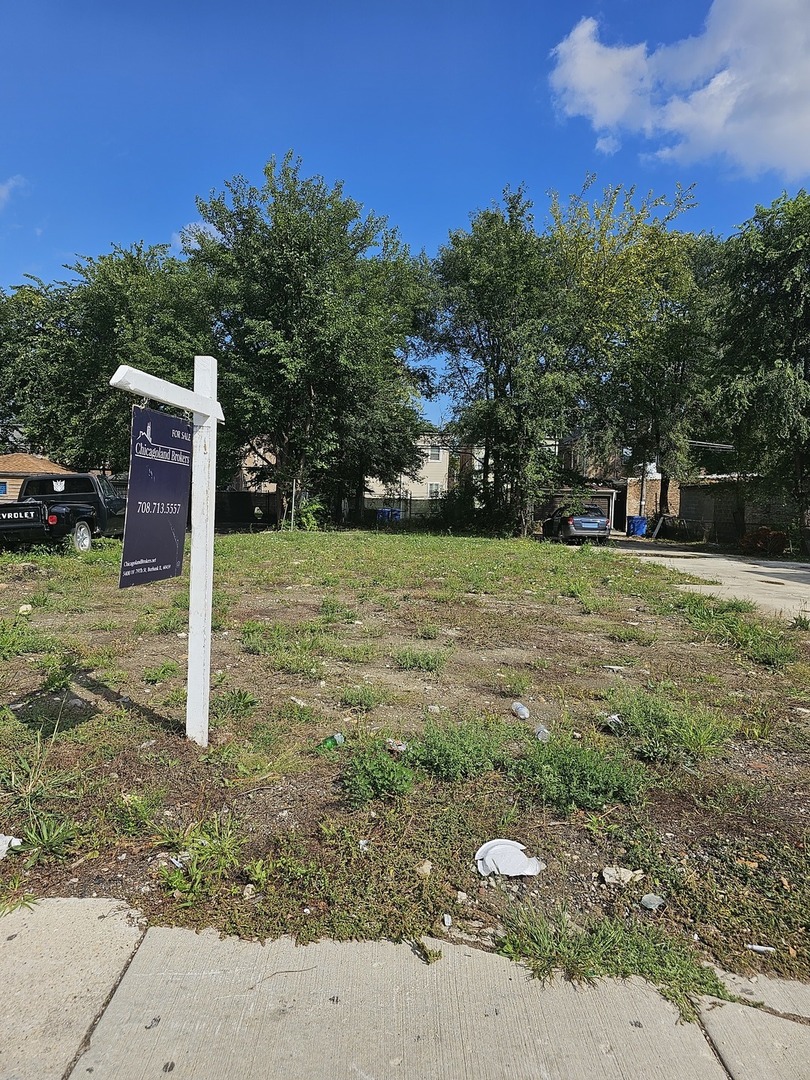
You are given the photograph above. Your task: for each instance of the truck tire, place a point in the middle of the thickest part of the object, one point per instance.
(82, 537)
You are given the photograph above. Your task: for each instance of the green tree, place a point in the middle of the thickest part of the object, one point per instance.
(658, 387)
(489, 328)
(62, 342)
(534, 325)
(767, 346)
(314, 305)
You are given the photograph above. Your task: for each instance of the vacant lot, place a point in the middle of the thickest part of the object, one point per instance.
(678, 749)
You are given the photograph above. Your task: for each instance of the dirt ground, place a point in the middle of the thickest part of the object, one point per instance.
(377, 636)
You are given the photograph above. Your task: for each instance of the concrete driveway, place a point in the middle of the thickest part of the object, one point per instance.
(779, 588)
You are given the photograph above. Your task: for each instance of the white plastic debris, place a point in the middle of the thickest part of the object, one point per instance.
(447, 920)
(620, 875)
(520, 710)
(7, 842)
(24, 609)
(506, 857)
(763, 950)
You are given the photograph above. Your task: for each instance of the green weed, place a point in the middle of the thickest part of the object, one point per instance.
(133, 814)
(333, 611)
(46, 837)
(730, 623)
(609, 948)
(59, 669)
(14, 896)
(207, 851)
(161, 673)
(660, 724)
(372, 773)
(567, 774)
(364, 697)
(409, 659)
(232, 705)
(18, 638)
(457, 751)
(512, 682)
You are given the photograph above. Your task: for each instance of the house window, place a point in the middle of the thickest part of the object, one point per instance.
(3, 487)
(435, 453)
(434, 491)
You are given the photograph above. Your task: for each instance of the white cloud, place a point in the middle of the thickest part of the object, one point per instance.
(608, 144)
(8, 187)
(740, 89)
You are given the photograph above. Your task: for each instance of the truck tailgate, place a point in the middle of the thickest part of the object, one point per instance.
(20, 517)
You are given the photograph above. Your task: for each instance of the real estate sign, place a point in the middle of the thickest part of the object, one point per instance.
(157, 500)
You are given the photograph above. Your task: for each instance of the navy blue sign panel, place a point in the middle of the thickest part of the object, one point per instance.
(157, 500)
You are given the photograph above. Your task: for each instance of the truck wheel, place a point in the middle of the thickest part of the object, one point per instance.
(82, 537)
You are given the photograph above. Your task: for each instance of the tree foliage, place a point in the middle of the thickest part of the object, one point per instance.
(545, 333)
(766, 336)
(314, 306)
(62, 342)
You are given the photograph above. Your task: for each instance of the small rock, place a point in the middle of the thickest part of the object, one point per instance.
(620, 875)
(651, 901)
(24, 609)
(249, 892)
(461, 897)
(424, 868)
(434, 708)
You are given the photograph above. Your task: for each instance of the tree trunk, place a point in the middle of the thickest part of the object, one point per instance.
(663, 501)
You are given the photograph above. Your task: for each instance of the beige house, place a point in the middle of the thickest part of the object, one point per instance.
(434, 479)
(14, 468)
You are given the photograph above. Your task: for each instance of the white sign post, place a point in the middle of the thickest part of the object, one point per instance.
(202, 402)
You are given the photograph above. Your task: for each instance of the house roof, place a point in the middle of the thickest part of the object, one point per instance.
(24, 464)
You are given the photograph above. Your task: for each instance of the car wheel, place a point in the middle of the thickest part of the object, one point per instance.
(82, 537)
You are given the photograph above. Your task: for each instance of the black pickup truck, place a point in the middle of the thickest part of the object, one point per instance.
(51, 506)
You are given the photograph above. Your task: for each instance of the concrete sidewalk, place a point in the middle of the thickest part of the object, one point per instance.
(91, 993)
(781, 589)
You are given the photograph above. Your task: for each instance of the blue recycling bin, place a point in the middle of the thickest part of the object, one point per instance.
(396, 516)
(636, 526)
(383, 514)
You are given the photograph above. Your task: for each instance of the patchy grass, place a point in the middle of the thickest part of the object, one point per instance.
(584, 951)
(428, 660)
(660, 723)
(566, 774)
(422, 640)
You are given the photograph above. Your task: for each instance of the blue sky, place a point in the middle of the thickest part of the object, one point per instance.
(114, 116)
